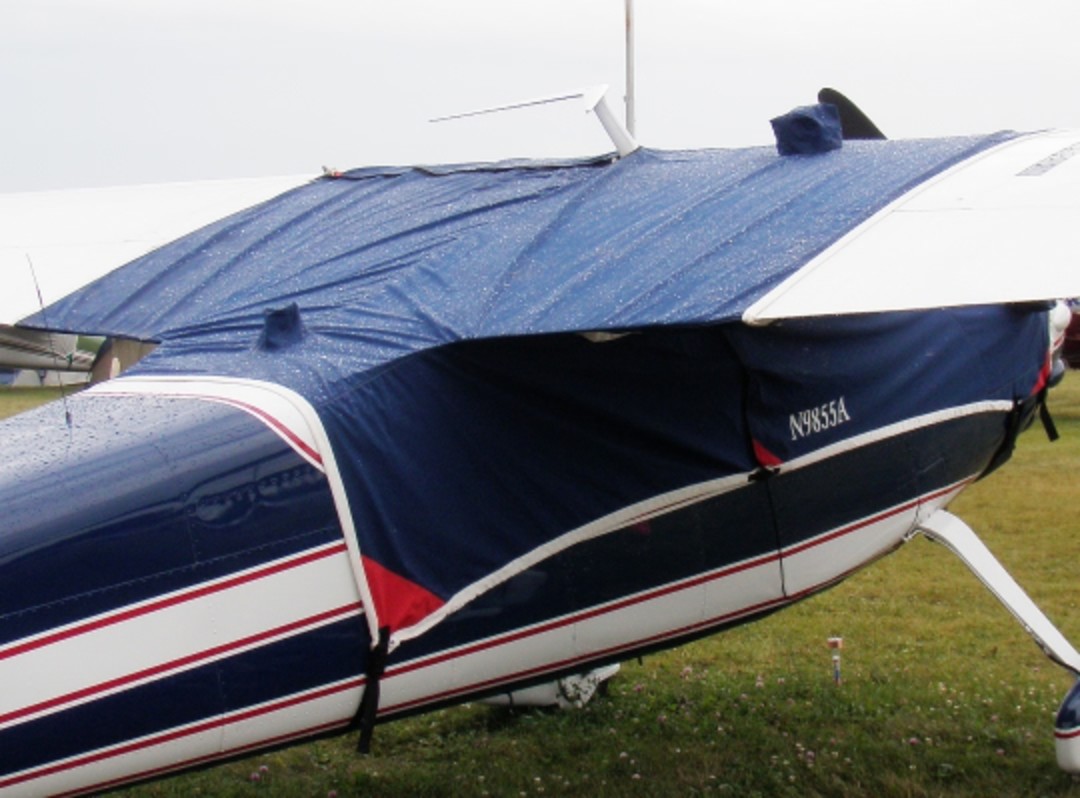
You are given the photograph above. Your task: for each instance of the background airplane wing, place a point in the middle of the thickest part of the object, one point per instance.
(59, 241)
(34, 349)
(72, 237)
(1003, 226)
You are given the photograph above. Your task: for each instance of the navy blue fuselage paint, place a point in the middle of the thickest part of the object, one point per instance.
(143, 496)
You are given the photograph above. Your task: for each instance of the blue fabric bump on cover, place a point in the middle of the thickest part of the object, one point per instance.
(282, 327)
(809, 130)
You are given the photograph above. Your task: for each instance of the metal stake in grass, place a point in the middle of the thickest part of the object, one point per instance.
(835, 645)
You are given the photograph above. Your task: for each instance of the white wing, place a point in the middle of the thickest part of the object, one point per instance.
(1001, 227)
(73, 237)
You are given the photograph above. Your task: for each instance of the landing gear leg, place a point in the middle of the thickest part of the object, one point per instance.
(947, 529)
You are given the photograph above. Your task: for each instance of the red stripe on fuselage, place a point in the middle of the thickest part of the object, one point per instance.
(179, 734)
(209, 758)
(171, 601)
(291, 437)
(645, 597)
(581, 616)
(563, 665)
(847, 530)
(181, 663)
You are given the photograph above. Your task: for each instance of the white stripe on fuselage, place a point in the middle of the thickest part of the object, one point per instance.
(290, 416)
(175, 632)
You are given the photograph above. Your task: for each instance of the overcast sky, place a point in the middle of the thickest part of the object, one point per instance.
(102, 92)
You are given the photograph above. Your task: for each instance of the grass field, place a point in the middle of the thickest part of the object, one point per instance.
(943, 694)
(16, 400)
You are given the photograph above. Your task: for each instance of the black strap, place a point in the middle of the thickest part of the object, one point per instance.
(369, 703)
(1047, 422)
(1019, 419)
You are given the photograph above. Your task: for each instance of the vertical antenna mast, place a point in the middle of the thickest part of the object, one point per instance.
(630, 120)
(52, 347)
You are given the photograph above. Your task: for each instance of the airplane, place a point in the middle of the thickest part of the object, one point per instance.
(415, 436)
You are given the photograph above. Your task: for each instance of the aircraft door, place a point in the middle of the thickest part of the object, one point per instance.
(695, 556)
(828, 403)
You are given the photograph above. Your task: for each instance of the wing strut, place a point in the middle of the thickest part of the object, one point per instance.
(946, 528)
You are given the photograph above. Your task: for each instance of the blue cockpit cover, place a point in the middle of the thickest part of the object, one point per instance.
(424, 314)
(385, 262)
